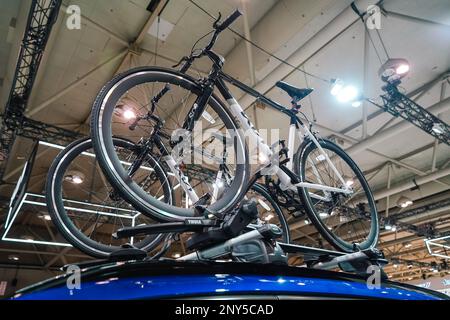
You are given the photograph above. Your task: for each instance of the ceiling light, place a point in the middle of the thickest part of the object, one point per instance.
(306, 221)
(388, 226)
(269, 217)
(45, 217)
(394, 69)
(408, 245)
(176, 255)
(323, 214)
(402, 69)
(349, 182)
(404, 202)
(395, 265)
(13, 257)
(347, 94)
(438, 128)
(74, 177)
(394, 228)
(27, 238)
(129, 114)
(336, 86)
(357, 104)
(125, 111)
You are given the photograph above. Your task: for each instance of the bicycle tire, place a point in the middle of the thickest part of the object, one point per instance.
(101, 136)
(58, 213)
(283, 222)
(337, 242)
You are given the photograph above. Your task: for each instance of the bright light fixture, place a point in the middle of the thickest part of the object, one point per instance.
(74, 177)
(336, 87)
(176, 255)
(13, 257)
(402, 69)
(323, 214)
(269, 217)
(394, 70)
(306, 221)
(347, 94)
(349, 182)
(77, 180)
(129, 114)
(388, 226)
(357, 104)
(404, 202)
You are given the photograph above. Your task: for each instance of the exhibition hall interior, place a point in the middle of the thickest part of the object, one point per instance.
(229, 142)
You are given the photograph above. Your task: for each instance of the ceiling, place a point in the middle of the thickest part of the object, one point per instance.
(322, 37)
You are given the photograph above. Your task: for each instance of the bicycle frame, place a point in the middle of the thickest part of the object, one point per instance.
(297, 127)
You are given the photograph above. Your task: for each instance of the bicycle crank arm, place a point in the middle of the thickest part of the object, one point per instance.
(189, 225)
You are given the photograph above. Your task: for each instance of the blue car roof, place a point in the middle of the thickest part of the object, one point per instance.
(170, 279)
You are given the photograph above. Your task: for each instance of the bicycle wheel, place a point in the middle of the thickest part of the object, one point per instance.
(268, 209)
(85, 208)
(346, 221)
(131, 91)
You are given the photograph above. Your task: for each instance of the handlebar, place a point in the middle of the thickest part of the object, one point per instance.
(187, 61)
(218, 28)
(228, 21)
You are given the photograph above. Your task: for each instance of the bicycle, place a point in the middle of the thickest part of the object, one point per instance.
(88, 215)
(327, 183)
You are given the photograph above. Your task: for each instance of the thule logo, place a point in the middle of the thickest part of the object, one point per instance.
(194, 222)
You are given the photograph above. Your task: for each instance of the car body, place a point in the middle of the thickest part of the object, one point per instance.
(179, 280)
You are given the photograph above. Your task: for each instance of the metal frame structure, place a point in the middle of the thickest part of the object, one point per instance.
(439, 247)
(399, 105)
(39, 200)
(42, 16)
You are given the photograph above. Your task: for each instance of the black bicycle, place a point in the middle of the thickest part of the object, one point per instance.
(87, 211)
(184, 124)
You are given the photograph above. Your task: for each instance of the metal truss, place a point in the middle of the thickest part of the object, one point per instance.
(36, 130)
(42, 16)
(399, 105)
(439, 247)
(426, 230)
(413, 263)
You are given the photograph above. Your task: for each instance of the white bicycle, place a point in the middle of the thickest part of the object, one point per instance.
(179, 119)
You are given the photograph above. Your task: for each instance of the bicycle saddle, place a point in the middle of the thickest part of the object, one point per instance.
(295, 93)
